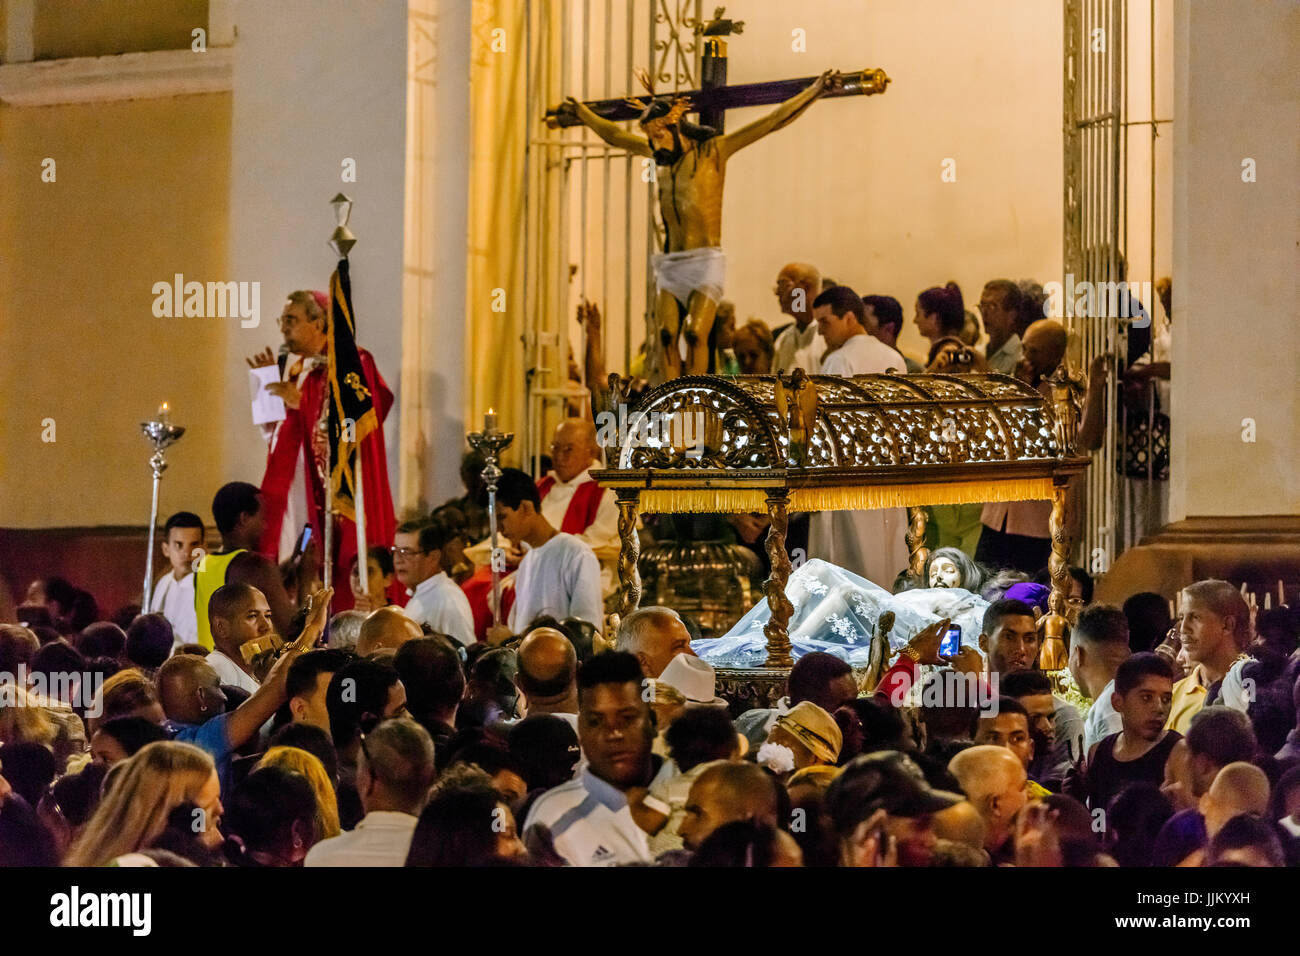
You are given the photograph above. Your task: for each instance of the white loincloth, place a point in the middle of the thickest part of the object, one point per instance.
(693, 270)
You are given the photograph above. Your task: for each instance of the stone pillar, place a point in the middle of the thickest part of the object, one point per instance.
(1236, 342)
(1235, 415)
(315, 84)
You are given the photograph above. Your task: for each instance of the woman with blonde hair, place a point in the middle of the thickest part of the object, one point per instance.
(128, 693)
(23, 720)
(309, 765)
(140, 796)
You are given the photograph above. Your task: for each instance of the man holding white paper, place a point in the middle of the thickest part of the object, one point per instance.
(292, 488)
(277, 381)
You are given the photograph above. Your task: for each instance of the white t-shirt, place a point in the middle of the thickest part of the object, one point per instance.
(230, 672)
(382, 838)
(871, 544)
(863, 355)
(589, 823)
(1102, 720)
(175, 601)
(562, 579)
(799, 348)
(439, 602)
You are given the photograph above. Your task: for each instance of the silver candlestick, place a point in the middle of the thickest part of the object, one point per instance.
(162, 433)
(490, 443)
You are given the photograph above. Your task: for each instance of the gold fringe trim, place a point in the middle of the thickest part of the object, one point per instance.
(913, 495)
(844, 498)
(703, 500)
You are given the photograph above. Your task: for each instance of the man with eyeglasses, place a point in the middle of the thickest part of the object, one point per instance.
(799, 344)
(436, 600)
(291, 486)
(587, 821)
(572, 500)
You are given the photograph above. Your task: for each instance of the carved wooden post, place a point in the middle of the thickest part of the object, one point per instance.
(916, 521)
(777, 630)
(1053, 655)
(629, 576)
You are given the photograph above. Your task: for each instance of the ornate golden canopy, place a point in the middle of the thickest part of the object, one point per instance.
(755, 443)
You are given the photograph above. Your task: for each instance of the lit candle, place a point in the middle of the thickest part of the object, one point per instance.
(490, 422)
(163, 411)
(1268, 601)
(1281, 594)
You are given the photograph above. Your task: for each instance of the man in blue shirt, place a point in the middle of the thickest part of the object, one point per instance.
(195, 704)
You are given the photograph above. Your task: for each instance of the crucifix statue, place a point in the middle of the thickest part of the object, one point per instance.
(690, 167)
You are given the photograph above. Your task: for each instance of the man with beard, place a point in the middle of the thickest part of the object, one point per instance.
(690, 169)
(587, 821)
(1144, 688)
(1010, 640)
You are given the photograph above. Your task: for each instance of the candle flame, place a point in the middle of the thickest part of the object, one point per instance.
(491, 411)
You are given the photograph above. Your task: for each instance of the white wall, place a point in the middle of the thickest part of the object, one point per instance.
(316, 81)
(1236, 343)
(854, 185)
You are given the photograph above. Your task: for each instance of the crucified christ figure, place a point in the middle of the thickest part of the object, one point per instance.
(690, 167)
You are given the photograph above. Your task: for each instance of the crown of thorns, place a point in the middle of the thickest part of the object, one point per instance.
(667, 107)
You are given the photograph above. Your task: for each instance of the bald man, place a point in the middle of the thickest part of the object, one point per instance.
(1239, 788)
(195, 705)
(237, 614)
(799, 345)
(727, 792)
(548, 674)
(386, 628)
(573, 502)
(1042, 350)
(993, 779)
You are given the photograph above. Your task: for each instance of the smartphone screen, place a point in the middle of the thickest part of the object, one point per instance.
(951, 641)
(303, 539)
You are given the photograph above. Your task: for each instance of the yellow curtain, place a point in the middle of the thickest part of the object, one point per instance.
(494, 296)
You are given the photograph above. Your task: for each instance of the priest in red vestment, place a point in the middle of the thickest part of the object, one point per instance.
(300, 442)
(572, 500)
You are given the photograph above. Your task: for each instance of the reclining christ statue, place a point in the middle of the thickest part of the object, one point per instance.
(691, 163)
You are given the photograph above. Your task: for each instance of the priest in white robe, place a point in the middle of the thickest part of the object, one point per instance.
(871, 544)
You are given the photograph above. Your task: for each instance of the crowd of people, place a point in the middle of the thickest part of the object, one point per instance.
(379, 739)
(235, 722)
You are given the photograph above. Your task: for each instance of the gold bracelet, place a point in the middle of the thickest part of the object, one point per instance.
(910, 652)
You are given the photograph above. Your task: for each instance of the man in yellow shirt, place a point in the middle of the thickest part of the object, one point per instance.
(1215, 630)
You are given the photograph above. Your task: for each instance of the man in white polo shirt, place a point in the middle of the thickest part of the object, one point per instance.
(436, 599)
(587, 821)
(394, 772)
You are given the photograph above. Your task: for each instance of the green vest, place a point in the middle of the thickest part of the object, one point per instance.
(210, 575)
